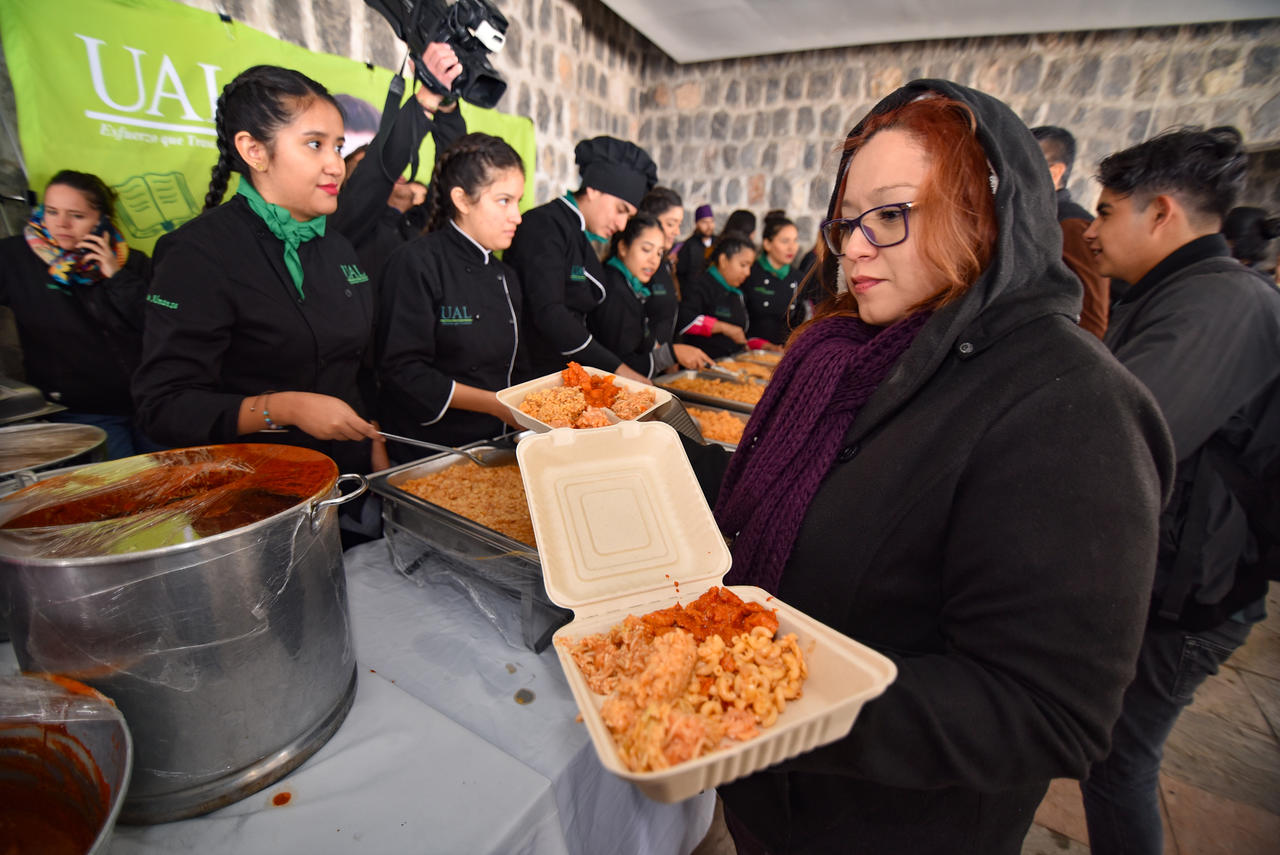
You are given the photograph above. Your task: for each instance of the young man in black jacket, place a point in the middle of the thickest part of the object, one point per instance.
(1202, 332)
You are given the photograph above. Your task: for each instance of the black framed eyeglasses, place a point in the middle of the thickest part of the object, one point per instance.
(884, 225)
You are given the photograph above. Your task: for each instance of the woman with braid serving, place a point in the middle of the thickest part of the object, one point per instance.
(449, 332)
(257, 318)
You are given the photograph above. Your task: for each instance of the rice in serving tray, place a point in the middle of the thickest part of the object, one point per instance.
(747, 393)
(683, 681)
(719, 425)
(490, 495)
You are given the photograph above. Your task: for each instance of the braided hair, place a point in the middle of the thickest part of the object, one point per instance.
(260, 100)
(471, 163)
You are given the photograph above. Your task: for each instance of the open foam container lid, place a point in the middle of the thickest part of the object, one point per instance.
(620, 520)
(619, 517)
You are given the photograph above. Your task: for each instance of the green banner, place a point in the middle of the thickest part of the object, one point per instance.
(126, 89)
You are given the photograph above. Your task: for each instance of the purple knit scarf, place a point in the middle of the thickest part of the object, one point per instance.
(795, 434)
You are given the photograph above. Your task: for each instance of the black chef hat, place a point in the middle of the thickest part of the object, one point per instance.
(617, 167)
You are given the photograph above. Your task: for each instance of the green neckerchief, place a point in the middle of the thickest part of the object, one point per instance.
(715, 274)
(590, 234)
(780, 272)
(636, 285)
(285, 227)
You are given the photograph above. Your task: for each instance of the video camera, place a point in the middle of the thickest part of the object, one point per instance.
(473, 28)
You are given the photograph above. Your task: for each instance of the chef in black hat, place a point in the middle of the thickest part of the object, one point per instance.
(557, 264)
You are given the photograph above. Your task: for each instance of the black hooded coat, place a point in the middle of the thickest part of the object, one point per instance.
(991, 525)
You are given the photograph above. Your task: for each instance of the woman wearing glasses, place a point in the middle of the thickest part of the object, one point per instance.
(957, 476)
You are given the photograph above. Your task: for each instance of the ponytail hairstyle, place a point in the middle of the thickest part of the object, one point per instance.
(260, 100)
(471, 163)
(659, 200)
(742, 221)
(773, 225)
(728, 245)
(100, 197)
(636, 226)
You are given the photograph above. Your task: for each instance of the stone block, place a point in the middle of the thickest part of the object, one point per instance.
(940, 69)
(662, 95)
(1085, 79)
(733, 93)
(780, 193)
(751, 92)
(1051, 83)
(684, 128)
(964, 72)
(1026, 74)
(755, 189)
(548, 55)
(769, 158)
(288, 21)
(1117, 76)
(1262, 65)
(1184, 71)
(1230, 113)
(667, 157)
(729, 156)
(1264, 124)
(805, 226)
(819, 192)
(698, 190)
(602, 85)
(733, 191)
(708, 162)
(701, 126)
(544, 17)
(772, 90)
(761, 125)
(662, 129)
(1150, 77)
(831, 120)
(543, 113)
(993, 77)
(747, 155)
(804, 120)
(565, 68)
(795, 86)
(741, 126)
(688, 95)
(715, 190)
(851, 82)
(562, 29)
(711, 92)
(720, 125)
(781, 121)
(515, 39)
(820, 85)
(524, 101)
(884, 81)
(557, 110)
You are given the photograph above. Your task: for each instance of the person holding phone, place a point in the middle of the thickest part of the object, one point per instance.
(76, 290)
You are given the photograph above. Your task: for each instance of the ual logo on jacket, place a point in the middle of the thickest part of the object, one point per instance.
(354, 274)
(455, 315)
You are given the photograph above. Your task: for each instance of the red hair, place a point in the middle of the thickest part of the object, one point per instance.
(955, 221)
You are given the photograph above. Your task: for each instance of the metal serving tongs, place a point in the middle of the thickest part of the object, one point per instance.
(731, 376)
(485, 455)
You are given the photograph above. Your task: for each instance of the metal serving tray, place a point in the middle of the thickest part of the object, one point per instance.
(740, 416)
(764, 357)
(420, 532)
(695, 398)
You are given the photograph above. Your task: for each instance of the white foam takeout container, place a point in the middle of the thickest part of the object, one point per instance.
(623, 528)
(512, 396)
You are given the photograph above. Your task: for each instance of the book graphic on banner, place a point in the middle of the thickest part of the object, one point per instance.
(154, 203)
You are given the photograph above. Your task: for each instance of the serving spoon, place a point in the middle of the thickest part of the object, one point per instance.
(485, 455)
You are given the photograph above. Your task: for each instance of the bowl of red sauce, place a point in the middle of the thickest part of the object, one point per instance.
(65, 759)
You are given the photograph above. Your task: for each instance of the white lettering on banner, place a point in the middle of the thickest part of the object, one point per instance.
(119, 133)
(93, 45)
(200, 142)
(168, 86)
(170, 74)
(147, 123)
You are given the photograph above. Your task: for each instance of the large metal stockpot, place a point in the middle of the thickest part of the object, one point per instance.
(203, 591)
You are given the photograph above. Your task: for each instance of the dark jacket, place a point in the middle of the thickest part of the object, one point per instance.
(375, 228)
(707, 296)
(450, 312)
(621, 323)
(990, 525)
(663, 304)
(1096, 304)
(769, 303)
(691, 259)
(563, 280)
(1202, 332)
(80, 344)
(224, 322)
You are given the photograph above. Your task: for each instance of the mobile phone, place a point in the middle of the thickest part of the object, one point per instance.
(103, 227)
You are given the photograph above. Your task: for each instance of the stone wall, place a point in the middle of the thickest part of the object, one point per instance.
(763, 132)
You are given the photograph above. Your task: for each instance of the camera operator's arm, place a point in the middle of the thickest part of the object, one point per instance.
(365, 193)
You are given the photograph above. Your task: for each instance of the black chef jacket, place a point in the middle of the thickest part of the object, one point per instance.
(707, 296)
(81, 343)
(769, 303)
(663, 304)
(450, 312)
(691, 260)
(621, 323)
(224, 322)
(563, 281)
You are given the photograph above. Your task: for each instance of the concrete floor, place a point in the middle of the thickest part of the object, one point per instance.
(1220, 783)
